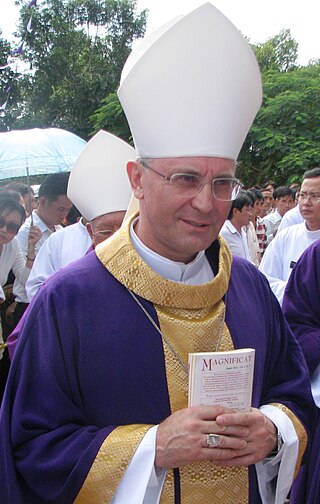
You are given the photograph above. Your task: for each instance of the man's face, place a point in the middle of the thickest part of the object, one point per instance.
(29, 202)
(310, 207)
(244, 215)
(257, 207)
(171, 224)
(54, 212)
(104, 226)
(284, 204)
(267, 200)
(270, 188)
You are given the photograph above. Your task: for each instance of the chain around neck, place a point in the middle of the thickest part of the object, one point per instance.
(172, 350)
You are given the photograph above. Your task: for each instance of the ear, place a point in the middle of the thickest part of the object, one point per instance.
(134, 171)
(41, 201)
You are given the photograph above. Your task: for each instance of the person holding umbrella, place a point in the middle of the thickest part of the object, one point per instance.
(53, 207)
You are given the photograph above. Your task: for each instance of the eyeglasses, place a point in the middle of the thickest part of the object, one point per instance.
(189, 184)
(12, 227)
(314, 197)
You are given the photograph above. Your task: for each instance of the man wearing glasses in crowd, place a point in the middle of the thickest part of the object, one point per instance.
(110, 384)
(285, 249)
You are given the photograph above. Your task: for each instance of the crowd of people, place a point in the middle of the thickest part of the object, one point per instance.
(256, 216)
(169, 255)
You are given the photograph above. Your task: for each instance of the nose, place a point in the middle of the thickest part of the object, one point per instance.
(203, 200)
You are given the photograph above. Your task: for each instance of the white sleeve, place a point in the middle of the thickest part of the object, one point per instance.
(141, 481)
(284, 223)
(272, 267)
(22, 238)
(19, 268)
(42, 268)
(275, 475)
(277, 287)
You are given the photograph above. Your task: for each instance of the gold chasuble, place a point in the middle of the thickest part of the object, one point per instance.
(180, 308)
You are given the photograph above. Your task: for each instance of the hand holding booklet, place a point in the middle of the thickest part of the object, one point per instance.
(221, 378)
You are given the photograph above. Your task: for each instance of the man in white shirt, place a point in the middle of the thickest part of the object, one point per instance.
(291, 217)
(267, 202)
(53, 207)
(288, 245)
(102, 211)
(233, 230)
(284, 201)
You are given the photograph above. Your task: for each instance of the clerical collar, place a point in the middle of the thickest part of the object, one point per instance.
(196, 272)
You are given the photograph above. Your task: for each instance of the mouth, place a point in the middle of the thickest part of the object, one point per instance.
(195, 224)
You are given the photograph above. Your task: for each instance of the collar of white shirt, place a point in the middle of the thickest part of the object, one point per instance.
(196, 272)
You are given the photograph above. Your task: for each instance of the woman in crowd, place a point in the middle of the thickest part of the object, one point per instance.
(12, 215)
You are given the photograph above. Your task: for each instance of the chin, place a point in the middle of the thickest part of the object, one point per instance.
(203, 245)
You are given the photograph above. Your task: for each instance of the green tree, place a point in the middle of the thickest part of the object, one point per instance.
(284, 139)
(10, 78)
(110, 116)
(277, 53)
(77, 49)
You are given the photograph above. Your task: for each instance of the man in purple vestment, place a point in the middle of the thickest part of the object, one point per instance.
(301, 306)
(95, 408)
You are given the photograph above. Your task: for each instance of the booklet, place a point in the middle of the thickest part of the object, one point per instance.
(221, 378)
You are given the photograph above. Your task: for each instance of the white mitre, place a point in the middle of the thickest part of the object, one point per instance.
(191, 88)
(98, 182)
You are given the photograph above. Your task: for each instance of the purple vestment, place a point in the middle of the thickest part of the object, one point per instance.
(301, 306)
(89, 360)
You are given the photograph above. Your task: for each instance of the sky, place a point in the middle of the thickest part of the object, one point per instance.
(257, 19)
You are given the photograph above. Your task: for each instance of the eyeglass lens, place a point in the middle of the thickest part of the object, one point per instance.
(225, 189)
(12, 227)
(313, 197)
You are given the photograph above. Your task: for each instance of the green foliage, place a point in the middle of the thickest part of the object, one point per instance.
(8, 78)
(110, 117)
(77, 49)
(277, 53)
(284, 140)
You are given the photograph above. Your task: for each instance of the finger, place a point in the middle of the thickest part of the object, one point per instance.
(231, 430)
(239, 418)
(218, 442)
(209, 412)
